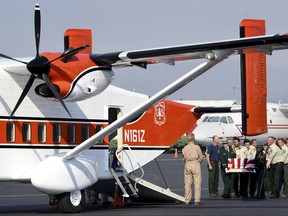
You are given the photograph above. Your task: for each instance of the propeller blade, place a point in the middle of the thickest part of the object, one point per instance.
(37, 23)
(55, 92)
(8, 57)
(69, 53)
(24, 93)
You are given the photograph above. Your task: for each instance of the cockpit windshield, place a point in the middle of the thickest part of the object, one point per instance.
(222, 119)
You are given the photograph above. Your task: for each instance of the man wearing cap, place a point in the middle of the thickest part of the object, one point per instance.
(192, 156)
(225, 152)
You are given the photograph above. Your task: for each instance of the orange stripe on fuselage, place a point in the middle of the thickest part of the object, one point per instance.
(49, 132)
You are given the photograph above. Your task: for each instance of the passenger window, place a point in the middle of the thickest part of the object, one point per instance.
(213, 119)
(230, 119)
(26, 132)
(205, 119)
(10, 132)
(223, 120)
(56, 133)
(84, 132)
(99, 128)
(41, 133)
(71, 133)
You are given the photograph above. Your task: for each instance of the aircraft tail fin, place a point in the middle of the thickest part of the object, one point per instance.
(253, 82)
(78, 37)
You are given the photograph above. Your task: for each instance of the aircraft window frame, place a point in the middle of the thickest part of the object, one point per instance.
(205, 119)
(42, 133)
(57, 133)
(230, 120)
(85, 132)
(10, 132)
(211, 119)
(71, 133)
(26, 132)
(98, 129)
(225, 120)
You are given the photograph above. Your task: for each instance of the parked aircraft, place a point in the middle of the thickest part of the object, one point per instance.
(57, 136)
(229, 125)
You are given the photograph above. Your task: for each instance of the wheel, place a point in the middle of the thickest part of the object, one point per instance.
(72, 202)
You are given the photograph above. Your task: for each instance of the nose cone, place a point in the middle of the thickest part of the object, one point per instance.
(201, 136)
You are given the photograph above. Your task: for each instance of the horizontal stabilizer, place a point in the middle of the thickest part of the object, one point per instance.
(217, 109)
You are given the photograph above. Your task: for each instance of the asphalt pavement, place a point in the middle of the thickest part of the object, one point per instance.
(167, 172)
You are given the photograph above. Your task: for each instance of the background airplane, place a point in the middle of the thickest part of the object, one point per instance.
(230, 125)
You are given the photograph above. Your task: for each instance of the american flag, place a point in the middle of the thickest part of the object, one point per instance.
(240, 165)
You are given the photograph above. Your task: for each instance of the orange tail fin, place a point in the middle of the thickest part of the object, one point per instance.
(253, 82)
(78, 37)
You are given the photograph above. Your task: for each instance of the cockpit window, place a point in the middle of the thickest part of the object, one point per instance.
(230, 120)
(205, 119)
(224, 120)
(213, 119)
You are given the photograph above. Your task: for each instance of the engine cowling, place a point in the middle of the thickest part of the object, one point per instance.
(87, 84)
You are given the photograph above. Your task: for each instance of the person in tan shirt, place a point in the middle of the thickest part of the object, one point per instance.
(192, 156)
(284, 148)
(275, 164)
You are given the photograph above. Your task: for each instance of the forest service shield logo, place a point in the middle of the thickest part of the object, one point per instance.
(159, 113)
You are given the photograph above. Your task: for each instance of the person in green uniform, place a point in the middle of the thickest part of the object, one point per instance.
(225, 152)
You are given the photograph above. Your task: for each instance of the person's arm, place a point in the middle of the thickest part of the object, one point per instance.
(200, 154)
(208, 161)
(222, 159)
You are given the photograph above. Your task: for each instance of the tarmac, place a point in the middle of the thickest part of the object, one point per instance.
(166, 171)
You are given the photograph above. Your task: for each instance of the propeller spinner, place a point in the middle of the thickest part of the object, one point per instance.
(39, 67)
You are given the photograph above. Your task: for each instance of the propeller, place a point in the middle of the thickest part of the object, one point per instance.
(40, 66)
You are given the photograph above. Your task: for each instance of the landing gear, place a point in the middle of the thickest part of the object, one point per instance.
(72, 202)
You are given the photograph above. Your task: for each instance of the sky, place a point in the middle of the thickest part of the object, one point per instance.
(130, 25)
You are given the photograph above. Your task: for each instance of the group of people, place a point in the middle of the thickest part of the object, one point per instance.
(269, 177)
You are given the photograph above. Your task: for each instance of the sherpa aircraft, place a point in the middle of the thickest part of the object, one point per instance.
(58, 111)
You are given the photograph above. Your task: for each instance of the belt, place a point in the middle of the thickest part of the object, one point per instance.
(214, 161)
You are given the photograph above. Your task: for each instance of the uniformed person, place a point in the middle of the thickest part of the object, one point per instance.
(235, 176)
(193, 156)
(267, 176)
(225, 152)
(260, 165)
(275, 164)
(284, 148)
(243, 152)
(252, 176)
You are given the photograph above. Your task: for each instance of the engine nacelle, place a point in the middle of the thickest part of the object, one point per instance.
(89, 83)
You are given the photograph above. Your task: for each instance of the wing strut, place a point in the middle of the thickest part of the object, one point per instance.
(182, 81)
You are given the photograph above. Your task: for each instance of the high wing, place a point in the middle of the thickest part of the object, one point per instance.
(264, 44)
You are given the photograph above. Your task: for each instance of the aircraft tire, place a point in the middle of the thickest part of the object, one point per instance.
(71, 202)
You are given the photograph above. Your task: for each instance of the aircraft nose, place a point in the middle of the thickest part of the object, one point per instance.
(201, 136)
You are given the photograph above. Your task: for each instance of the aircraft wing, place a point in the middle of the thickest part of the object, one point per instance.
(169, 55)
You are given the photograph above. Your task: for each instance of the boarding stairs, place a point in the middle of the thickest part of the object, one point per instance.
(139, 188)
(124, 182)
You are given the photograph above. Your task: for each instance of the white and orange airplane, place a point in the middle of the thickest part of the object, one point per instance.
(229, 125)
(57, 136)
